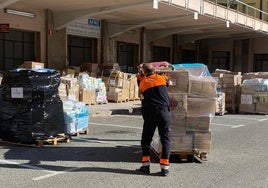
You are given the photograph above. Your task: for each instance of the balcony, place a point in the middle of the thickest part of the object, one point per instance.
(231, 11)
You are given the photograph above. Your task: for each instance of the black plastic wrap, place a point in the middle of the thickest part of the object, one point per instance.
(36, 111)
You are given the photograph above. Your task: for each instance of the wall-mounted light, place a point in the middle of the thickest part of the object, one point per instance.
(19, 13)
(155, 4)
(227, 23)
(196, 15)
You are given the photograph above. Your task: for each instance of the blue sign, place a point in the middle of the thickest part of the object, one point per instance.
(94, 22)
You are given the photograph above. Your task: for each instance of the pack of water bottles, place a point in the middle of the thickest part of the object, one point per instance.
(76, 115)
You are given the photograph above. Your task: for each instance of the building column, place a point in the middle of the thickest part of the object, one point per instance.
(108, 45)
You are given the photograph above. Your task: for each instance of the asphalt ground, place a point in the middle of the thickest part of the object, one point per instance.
(110, 154)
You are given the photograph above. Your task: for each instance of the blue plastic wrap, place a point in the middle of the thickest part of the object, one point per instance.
(195, 69)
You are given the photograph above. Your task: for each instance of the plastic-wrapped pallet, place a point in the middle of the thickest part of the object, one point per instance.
(30, 105)
(229, 83)
(254, 96)
(76, 115)
(192, 93)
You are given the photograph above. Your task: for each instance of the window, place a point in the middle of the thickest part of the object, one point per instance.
(81, 50)
(188, 56)
(127, 56)
(161, 53)
(220, 60)
(15, 48)
(260, 63)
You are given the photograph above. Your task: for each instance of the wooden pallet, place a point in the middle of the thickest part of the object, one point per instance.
(101, 103)
(221, 113)
(41, 142)
(201, 154)
(182, 156)
(53, 140)
(134, 99)
(118, 101)
(186, 156)
(92, 103)
(85, 131)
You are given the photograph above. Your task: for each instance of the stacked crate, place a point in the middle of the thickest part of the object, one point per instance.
(254, 93)
(230, 83)
(117, 87)
(220, 103)
(193, 107)
(69, 88)
(83, 88)
(133, 87)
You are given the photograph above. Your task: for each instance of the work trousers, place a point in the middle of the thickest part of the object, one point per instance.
(156, 117)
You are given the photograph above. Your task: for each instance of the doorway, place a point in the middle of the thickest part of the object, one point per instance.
(127, 56)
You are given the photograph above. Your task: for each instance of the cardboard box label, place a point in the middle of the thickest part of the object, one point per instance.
(17, 92)
(246, 99)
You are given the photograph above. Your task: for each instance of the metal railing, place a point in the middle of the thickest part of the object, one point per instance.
(244, 8)
(231, 11)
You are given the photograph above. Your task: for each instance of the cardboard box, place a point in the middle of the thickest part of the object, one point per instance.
(220, 102)
(246, 99)
(32, 65)
(247, 108)
(116, 82)
(198, 123)
(62, 89)
(262, 108)
(182, 143)
(90, 67)
(87, 96)
(203, 86)
(115, 97)
(114, 89)
(178, 103)
(202, 141)
(201, 106)
(178, 126)
(179, 81)
(179, 143)
(73, 92)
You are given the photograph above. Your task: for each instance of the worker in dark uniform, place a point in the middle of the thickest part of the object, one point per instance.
(156, 113)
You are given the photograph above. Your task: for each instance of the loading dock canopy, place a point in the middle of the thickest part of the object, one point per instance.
(195, 20)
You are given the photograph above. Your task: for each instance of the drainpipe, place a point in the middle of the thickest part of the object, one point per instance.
(261, 9)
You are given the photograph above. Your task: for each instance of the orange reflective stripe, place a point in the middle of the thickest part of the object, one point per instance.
(152, 81)
(145, 158)
(164, 161)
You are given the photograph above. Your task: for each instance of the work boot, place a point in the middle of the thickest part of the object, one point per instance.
(164, 172)
(145, 169)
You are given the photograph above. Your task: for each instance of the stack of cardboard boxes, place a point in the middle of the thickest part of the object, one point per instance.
(193, 107)
(230, 84)
(121, 87)
(81, 84)
(254, 93)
